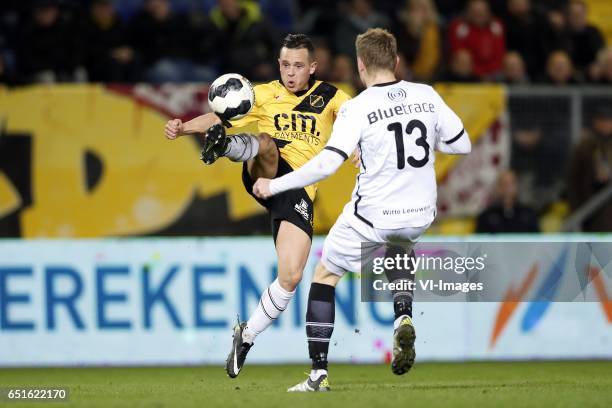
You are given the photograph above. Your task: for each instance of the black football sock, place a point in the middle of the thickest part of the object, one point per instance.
(402, 298)
(320, 323)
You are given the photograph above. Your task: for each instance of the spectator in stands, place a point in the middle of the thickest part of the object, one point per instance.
(526, 33)
(506, 214)
(324, 59)
(556, 36)
(461, 68)
(449, 9)
(591, 170)
(165, 40)
(560, 70)
(602, 72)
(514, 69)
(4, 73)
(343, 69)
(482, 35)
(540, 127)
(548, 5)
(361, 16)
(499, 7)
(402, 71)
(418, 38)
(127, 9)
(281, 13)
(8, 23)
(246, 42)
(109, 55)
(317, 18)
(585, 40)
(49, 48)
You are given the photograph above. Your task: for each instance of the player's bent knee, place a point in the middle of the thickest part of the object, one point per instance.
(267, 147)
(265, 164)
(289, 281)
(289, 284)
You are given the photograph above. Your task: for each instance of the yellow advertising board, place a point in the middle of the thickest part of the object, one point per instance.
(99, 165)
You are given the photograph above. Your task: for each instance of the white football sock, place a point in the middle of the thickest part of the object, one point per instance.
(273, 302)
(242, 147)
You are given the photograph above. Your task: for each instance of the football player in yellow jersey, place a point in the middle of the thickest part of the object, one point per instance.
(295, 117)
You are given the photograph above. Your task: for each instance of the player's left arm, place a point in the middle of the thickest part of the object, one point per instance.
(451, 136)
(319, 167)
(342, 143)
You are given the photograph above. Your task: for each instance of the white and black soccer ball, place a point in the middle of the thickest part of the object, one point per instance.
(231, 96)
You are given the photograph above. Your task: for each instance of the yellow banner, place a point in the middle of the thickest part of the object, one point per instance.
(144, 183)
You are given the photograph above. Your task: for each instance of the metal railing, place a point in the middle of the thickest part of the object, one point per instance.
(545, 125)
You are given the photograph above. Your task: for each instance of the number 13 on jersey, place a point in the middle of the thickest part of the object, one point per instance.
(421, 141)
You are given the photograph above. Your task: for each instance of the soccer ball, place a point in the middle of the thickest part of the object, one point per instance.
(231, 96)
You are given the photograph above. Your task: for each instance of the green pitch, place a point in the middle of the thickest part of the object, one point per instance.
(537, 384)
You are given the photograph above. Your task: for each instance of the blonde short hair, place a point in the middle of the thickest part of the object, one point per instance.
(377, 49)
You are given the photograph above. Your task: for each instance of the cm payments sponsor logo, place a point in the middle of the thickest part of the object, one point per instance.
(549, 285)
(297, 126)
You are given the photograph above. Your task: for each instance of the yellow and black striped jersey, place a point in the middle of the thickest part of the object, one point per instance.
(300, 123)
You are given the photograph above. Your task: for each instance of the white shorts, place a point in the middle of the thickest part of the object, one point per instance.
(342, 250)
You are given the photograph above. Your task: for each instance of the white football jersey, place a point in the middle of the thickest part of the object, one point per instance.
(396, 126)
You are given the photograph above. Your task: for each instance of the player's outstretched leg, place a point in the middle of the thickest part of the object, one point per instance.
(215, 144)
(403, 346)
(404, 334)
(319, 328)
(292, 247)
(239, 148)
(240, 349)
(320, 317)
(320, 384)
(273, 302)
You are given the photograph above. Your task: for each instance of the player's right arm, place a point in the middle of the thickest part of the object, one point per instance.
(200, 124)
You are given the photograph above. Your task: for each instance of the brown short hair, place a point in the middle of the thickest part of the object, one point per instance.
(377, 49)
(298, 41)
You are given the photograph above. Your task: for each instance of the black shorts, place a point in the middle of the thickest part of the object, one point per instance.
(294, 206)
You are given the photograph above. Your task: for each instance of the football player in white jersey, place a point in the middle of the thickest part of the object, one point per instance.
(397, 125)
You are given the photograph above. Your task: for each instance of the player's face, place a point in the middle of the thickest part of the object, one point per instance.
(296, 67)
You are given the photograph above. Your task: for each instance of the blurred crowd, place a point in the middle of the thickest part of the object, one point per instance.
(588, 174)
(506, 41)
(510, 41)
